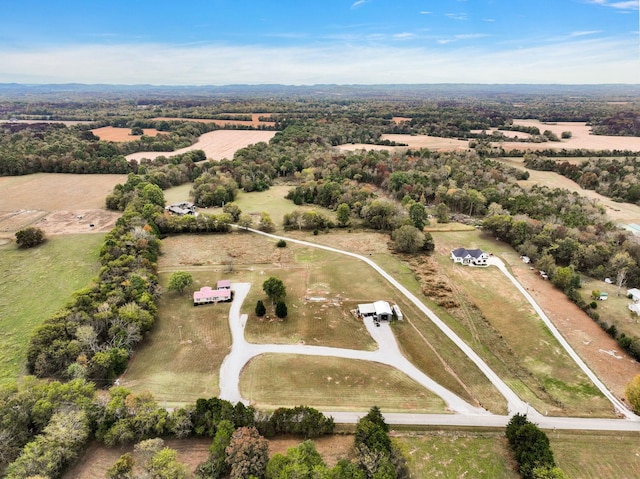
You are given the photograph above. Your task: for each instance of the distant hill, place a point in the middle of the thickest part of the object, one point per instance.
(404, 91)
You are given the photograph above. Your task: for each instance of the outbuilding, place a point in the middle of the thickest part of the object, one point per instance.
(379, 311)
(634, 294)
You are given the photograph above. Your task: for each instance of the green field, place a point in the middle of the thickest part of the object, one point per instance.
(597, 455)
(34, 284)
(179, 362)
(337, 383)
(454, 454)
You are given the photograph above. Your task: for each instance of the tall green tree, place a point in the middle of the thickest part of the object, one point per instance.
(179, 280)
(632, 392)
(418, 215)
(274, 289)
(343, 214)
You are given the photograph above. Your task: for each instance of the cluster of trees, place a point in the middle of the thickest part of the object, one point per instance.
(618, 178)
(213, 190)
(44, 426)
(276, 291)
(530, 447)
(56, 148)
(94, 335)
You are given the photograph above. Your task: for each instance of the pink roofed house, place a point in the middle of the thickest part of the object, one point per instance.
(208, 295)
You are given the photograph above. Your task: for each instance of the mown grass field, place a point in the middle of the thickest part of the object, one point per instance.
(454, 454)
(327, 382)
(179, 362)
(34, 284)
(597, 455)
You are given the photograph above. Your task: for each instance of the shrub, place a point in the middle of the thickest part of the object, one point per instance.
(260, 309)
(29, 237)
(281, 244)
(281, 310)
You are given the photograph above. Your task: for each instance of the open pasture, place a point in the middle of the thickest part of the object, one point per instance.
(217, 145)
(453, 454)
(333, 383)
(597, 455)
(50, 272)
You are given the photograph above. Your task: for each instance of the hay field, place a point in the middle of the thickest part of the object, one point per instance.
(111, 133)
(57, 203)
(217, 145)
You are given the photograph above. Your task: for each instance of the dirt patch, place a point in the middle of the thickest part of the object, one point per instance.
(217, 145)
(78, 221)
(111, 133)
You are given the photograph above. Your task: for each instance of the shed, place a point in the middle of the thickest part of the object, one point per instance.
(379, 310)
(224, 284)
(397, 312)
(634, 293)
(635, 308)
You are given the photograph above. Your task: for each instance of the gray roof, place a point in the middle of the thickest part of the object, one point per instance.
(463, 252)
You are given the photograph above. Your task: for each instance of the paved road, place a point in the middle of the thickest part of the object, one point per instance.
(388, 353)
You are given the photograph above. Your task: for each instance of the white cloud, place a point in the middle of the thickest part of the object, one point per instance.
(579, 60)
(457, 16)
(358, 3)
(404, 36)
(584, 33)
(623, 5)
(425, 13)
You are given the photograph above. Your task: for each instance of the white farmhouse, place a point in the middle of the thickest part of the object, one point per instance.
(471, 257)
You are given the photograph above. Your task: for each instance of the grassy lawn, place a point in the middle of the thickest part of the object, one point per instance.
(615, 309)
(180, 360)
(34, 284)
(504, 329)
(326, 382)
(597, 455)
(452, 454)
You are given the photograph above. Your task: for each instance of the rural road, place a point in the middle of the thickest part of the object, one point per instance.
(389, 353)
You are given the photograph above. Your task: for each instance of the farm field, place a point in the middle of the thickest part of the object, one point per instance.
(111, 133)
(581, 138)
(333, 383)
(217, 145)
(454, 454)
(54, 202)
(52, 272)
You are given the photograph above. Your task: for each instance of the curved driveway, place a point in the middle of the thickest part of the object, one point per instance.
(388, 353)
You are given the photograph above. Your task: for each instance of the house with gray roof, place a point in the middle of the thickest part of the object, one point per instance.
(470, 257)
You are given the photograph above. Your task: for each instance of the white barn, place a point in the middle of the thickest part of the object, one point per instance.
(379, 311)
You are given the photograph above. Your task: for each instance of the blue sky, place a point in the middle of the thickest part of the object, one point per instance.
(218, 42)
